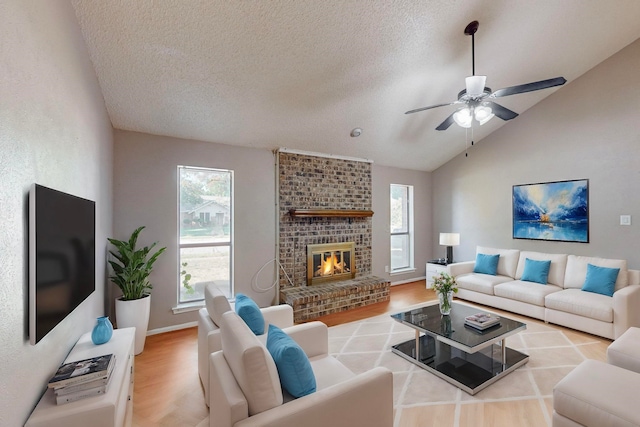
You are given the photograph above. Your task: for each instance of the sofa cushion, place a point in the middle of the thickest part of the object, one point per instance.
(486, 264)
(601, 280)
(529, 292)
(586, 304)
(556, 268)
(249, 311)
(598, 394)
(536, 271)
(576, 272)
(625, 350)
(478, 282)
(251, 364)
(294, 369)
(508, 259)
(216, 302)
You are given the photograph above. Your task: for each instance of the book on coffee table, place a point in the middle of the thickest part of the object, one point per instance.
(482, 321)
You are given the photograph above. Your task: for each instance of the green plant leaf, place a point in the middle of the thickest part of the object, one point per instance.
(132, 266)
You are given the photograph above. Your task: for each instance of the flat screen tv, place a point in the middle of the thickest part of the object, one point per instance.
(61, 257)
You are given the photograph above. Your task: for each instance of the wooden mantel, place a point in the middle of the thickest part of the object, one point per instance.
(345, 213)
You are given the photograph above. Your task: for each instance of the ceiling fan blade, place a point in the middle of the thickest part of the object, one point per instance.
(430, 107)
(529, 87)
(447, 122)
(500, 111)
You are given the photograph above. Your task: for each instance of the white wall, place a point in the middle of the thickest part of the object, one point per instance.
(587, 129)
(54, 131)
(145, 193)
(382, 177)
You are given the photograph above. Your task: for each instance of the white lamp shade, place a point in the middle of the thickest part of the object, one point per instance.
(463, 117)
(483, 114)
(449, 239)
(475, 85)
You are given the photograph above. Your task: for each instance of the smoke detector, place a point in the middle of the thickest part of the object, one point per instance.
(356, 132)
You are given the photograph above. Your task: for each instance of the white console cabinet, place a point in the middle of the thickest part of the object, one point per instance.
(112, 409)
(434, 269)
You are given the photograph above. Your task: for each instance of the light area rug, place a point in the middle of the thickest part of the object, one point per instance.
(522, 398)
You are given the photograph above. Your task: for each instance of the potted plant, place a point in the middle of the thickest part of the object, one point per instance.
(131, 269)
(445, 286)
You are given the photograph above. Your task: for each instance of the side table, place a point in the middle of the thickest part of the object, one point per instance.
(433, 269)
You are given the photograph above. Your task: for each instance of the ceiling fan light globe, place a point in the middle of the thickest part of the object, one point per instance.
(475, 85)
(483, 114)
(463, 117)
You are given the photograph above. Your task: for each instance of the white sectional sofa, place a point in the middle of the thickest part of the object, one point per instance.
(561, 300)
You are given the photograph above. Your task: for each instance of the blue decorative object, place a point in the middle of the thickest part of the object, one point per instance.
(536, 271)
(486, 264)
(294, 369)
(102, 332)
(249, 311)
(600, 280)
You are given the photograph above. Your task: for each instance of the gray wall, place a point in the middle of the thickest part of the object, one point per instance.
(587, 129)
(55, 131)
(145, 193)
(382, 177)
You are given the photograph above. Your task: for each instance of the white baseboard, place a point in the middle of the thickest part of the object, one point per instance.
(172, 328)
(402, 282)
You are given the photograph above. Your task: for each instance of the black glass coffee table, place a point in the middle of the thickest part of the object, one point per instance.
(466, 357)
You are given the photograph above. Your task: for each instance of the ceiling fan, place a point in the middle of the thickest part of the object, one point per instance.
(478, 99)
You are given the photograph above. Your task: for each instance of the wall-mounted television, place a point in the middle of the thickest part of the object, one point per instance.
(62, 231)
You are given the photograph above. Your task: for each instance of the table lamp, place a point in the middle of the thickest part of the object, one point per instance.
(449, 240)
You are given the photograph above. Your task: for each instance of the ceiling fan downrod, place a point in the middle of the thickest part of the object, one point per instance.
(470, 30)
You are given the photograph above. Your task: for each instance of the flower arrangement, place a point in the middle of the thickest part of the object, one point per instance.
(443, 284)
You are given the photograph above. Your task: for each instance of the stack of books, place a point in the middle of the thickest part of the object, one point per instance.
(482, 321)
(83, 378)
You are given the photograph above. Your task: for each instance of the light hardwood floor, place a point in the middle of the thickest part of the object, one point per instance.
(167, 389)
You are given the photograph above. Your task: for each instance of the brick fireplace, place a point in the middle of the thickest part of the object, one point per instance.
(325, 204)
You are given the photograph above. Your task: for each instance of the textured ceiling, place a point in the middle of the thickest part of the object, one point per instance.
(301, 74)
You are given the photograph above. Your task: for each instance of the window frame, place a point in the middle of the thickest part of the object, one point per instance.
(409, 232)
(186, 305)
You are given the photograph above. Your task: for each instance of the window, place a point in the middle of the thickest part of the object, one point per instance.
(401, 227)
(205, 231)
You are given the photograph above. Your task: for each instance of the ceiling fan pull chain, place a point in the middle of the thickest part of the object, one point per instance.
(471, 133)
(466, 142)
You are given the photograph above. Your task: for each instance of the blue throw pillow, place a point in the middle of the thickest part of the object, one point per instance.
(249, 311)
(536, 271)
(294, 369)
(601, 280)
(486, 264)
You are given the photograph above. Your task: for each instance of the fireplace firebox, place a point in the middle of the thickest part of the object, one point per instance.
(330, 261)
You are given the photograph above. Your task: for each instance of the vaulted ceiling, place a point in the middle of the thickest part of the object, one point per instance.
(302, 74)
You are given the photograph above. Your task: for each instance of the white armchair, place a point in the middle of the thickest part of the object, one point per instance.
(216, 304)
(245, 388)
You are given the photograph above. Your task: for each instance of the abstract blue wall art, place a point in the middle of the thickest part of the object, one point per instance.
(556, 211)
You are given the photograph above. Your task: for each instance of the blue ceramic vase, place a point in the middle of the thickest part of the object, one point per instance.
(102, 331)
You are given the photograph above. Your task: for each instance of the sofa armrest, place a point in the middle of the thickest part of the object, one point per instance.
(313, 337)
(365, 400)
(279, 315)
(458, 268)
(227, 402)
(626, 309)
(209, 341)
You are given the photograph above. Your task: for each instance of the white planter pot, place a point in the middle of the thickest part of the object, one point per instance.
(134, 314)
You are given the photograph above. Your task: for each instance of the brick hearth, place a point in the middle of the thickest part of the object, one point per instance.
(309, 302)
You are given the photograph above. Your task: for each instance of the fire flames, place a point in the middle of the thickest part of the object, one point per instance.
(330, 266)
